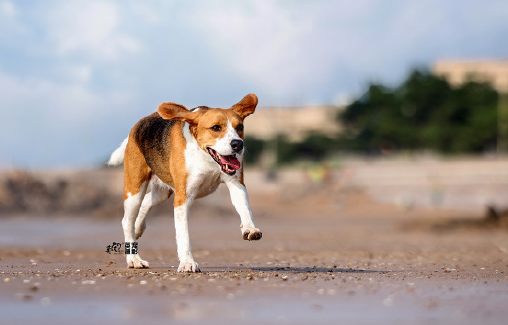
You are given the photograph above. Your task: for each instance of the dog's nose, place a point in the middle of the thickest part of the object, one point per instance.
(237, 145)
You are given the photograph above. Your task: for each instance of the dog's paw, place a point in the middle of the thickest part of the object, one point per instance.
(251, 234)
(140, 228)
(134, 261)
(188, 266)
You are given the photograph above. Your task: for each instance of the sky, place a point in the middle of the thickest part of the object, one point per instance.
(75, 76)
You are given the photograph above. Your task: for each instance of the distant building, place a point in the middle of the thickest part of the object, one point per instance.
(457, 72)
(292, 122)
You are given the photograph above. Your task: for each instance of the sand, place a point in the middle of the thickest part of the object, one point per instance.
(340, 261)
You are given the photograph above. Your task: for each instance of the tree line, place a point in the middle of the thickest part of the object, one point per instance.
(424, 112)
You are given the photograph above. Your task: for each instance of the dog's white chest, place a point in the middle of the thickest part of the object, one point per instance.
(203, 185)
(203, 174)
(203, 177)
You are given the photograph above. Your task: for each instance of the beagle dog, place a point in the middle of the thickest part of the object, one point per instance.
(188, 153)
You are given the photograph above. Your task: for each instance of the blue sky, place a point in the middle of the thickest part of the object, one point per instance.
(75, 76)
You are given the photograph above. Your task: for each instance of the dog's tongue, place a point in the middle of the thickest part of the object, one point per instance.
(231, 161)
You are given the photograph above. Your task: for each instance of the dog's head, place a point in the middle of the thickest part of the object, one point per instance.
(218, 132)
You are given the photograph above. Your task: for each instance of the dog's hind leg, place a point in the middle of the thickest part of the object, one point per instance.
(159, 192)
(137, 175)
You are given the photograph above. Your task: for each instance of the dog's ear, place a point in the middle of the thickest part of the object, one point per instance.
(246, 106)
(172, 111)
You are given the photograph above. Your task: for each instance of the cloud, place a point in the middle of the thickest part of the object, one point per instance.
(7, 8)
(44, 123)
(89, 27)
(79, 73)
(263, 42)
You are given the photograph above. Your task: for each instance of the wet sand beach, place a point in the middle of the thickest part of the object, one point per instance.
(349, 261)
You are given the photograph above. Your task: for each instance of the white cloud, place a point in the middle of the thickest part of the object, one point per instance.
(52, 123)
(53, 103)
(7, 8)
(146, 11)
(81, 73)
(262, 41)
(89, 27)
(294, 52)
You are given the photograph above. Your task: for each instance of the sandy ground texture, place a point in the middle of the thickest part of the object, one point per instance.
(341, 261)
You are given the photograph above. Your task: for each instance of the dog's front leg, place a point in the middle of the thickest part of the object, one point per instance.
(240, 200)
(187, 263)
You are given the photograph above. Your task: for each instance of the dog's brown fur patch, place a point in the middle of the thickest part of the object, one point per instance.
(177, 164)
(136, 170)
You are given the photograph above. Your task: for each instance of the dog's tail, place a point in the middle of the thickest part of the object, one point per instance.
(118, 155)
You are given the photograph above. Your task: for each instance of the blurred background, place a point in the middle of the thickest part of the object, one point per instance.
(405, 102)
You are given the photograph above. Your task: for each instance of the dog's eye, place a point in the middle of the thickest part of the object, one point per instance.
(216, 128)
(239, 128)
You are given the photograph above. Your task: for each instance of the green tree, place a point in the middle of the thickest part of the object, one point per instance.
(424, 112)
(314, 146)
(253, 149)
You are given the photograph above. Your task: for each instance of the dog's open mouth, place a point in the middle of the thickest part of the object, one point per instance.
(228, 164)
